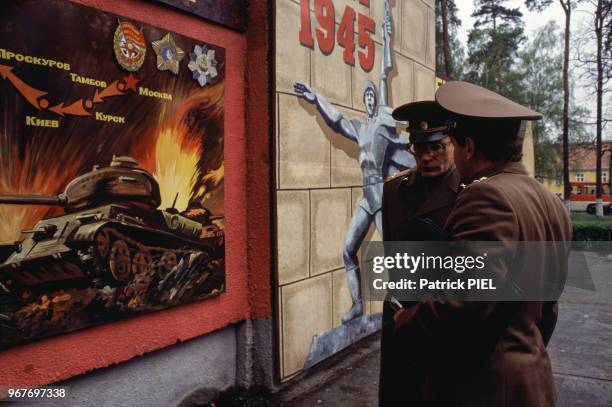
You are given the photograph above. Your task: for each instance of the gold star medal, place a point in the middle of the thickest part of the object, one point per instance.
(168, 54)
(130, 46)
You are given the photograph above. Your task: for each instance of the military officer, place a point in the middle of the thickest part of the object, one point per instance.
(415, 206)
(491, 353)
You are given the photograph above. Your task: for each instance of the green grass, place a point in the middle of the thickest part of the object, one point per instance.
(582, 217)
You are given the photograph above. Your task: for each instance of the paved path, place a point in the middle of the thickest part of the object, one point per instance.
(580, 350)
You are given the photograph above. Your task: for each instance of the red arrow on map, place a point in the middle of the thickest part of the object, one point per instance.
(110, 90)
(75, 109)
(29, 93)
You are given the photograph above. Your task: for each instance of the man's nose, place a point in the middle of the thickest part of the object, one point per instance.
(427, 155)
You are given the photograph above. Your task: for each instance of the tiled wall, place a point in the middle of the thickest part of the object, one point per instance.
(318, 179)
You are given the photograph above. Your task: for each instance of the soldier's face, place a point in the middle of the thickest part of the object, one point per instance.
(436, 159)
(462, 157)
(370, 102)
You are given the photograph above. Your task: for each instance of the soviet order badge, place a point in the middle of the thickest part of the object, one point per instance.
(203, 64)
(168, 54)
(129, 45)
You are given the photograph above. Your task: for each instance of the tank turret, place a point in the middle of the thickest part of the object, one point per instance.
(123, 182)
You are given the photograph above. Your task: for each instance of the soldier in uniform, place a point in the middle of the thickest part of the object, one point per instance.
(415, 206)
(491, 353)
(382, 152)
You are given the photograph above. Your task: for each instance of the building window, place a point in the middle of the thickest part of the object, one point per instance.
(604, 176)
(579, 177)
(558, 179)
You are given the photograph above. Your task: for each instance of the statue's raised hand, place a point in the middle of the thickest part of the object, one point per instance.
(304, 91)
(387, 29)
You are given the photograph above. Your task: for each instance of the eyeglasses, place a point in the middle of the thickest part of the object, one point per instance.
(436, 148)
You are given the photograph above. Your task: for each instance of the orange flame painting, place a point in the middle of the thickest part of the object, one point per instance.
(115, 208)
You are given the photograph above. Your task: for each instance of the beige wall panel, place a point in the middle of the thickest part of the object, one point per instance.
(341, 297)
(345, 169)
(424, 83)
(306, 311)
(292, 59)
(330, 217)
(528, 150)
(414, 32)
(377, 13)
(304, 156)
(430, 3)
(331, 77)
(293, 217)
(360, 76)
(339, 6)
(276, 146)
(430, 58)
(375, 307)
(401, 80)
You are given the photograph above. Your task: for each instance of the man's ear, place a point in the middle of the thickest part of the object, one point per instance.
(470, 148)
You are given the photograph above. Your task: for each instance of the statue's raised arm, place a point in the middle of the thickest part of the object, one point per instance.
(386, 64)
(334, 119)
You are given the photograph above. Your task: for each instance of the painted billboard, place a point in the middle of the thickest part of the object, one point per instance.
(111, 169)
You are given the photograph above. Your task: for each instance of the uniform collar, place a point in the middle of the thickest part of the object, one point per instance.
(510, 167)
(451, 178)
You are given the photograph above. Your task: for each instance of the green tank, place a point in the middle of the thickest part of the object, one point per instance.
(112, 230)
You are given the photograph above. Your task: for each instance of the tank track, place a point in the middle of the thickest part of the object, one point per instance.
(145, 273)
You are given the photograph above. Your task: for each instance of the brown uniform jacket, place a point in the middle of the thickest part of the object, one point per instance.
(407, 198)
(494, 353)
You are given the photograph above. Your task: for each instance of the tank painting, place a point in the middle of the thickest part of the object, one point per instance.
(114, 208)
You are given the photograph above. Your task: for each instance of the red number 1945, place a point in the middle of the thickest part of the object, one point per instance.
(325, 33)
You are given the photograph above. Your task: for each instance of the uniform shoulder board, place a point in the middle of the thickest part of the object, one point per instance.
(400, 174)
(481, 179)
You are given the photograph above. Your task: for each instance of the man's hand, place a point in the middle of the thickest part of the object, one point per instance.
(403, 316)
(304, 91)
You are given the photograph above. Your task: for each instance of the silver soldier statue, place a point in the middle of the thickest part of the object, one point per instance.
(382, 153)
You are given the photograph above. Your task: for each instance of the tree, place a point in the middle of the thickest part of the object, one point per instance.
(449, 51)
(493, 45)
(596, 63)
(602, 17)
(567, 5)
(542, 85)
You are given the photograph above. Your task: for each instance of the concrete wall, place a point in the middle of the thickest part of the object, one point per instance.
(161, 378)
(318, 179)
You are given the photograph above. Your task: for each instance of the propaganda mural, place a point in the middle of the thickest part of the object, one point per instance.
(341, 68)
(111, 169)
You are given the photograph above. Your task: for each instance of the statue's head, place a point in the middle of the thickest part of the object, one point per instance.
(369, 98)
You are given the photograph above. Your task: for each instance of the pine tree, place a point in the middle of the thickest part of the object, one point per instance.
(449, 50)
(493, 46)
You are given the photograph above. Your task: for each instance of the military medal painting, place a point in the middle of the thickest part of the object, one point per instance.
(168, 54)
(203, 64)
(130, 46)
